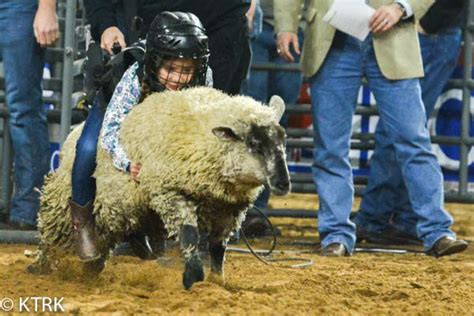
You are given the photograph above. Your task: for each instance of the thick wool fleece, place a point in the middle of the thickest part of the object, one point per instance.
(188, 175)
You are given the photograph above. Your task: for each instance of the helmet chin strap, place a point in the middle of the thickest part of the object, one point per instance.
(156, 86)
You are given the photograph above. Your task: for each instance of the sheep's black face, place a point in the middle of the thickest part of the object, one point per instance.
(268, 144)
(255, 157)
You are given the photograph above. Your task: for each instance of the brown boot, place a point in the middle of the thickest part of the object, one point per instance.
(84, 231)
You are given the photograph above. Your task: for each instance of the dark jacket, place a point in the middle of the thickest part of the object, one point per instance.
(213, 14)
(443, 14)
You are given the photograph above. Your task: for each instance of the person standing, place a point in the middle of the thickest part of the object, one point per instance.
(225, 23)
(390, 59)
(261, 85)
(27, 27)
(386, 215)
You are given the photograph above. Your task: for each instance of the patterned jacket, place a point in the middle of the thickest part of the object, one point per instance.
(126, 96)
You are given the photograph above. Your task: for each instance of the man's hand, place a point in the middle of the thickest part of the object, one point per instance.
(111, 36)
(284, 41)
(250, 14)
(385, 18)
(45, 25)
(135, 171)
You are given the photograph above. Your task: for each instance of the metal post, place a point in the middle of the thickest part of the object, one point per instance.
(69, 34)
(6, 167)
(19, 237)
(466, 98)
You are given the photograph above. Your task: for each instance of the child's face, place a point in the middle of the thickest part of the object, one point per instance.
(176, 73)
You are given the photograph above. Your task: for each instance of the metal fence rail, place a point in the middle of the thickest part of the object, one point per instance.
(466, 97)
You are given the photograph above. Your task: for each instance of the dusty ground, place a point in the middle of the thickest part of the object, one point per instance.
(361, 284)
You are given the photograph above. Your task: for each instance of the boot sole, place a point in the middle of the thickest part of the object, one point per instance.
(90, 259)
(451, 250)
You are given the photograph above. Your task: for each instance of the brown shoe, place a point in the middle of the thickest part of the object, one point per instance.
(83, 224)
(446, 246)
(334, 250)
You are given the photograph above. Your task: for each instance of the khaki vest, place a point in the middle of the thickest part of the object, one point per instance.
(397, 51)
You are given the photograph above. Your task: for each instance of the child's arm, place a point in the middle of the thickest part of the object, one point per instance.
(125, 97)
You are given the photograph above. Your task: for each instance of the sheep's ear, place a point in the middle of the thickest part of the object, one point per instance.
(278, 105)
(226, 133)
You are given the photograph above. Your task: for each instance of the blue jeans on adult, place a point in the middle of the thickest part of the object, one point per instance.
(386, 198)
(23, 61)
(83, 184)
(261, 85)
(334, 91)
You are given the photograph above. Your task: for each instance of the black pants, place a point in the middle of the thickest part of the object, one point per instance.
(230, 55)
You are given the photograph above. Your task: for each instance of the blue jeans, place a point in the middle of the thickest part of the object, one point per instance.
(334, 91)
(83, 184)
(386, 198)
(261, 85)
(23, 62)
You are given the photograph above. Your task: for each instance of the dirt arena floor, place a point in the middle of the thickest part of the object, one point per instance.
(363, 284)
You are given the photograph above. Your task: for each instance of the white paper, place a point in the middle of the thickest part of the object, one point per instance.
(351, 17)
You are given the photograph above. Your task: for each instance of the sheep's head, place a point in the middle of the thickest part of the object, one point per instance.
(256, 154)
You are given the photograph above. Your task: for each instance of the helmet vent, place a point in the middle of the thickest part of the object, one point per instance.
(174, 42)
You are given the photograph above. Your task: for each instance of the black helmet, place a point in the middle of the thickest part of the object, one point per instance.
(175, 35)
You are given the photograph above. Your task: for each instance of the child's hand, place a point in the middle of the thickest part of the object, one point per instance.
(135, 171)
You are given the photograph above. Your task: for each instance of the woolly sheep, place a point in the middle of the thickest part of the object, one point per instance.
(205, 157)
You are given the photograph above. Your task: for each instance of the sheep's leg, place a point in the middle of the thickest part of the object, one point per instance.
(217, 249)
(179, 216)
(158, 244)
(42, 264)
(157, 236)
(189, 241)
(139, 246)
(94, 267)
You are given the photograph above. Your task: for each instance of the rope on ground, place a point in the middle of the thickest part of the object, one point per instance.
(266, 253)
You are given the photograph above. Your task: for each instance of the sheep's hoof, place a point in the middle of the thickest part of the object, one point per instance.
(216, 278)
(140, 247)
(38, 268)
(193, 272)
(93, 268)
(158, 245)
